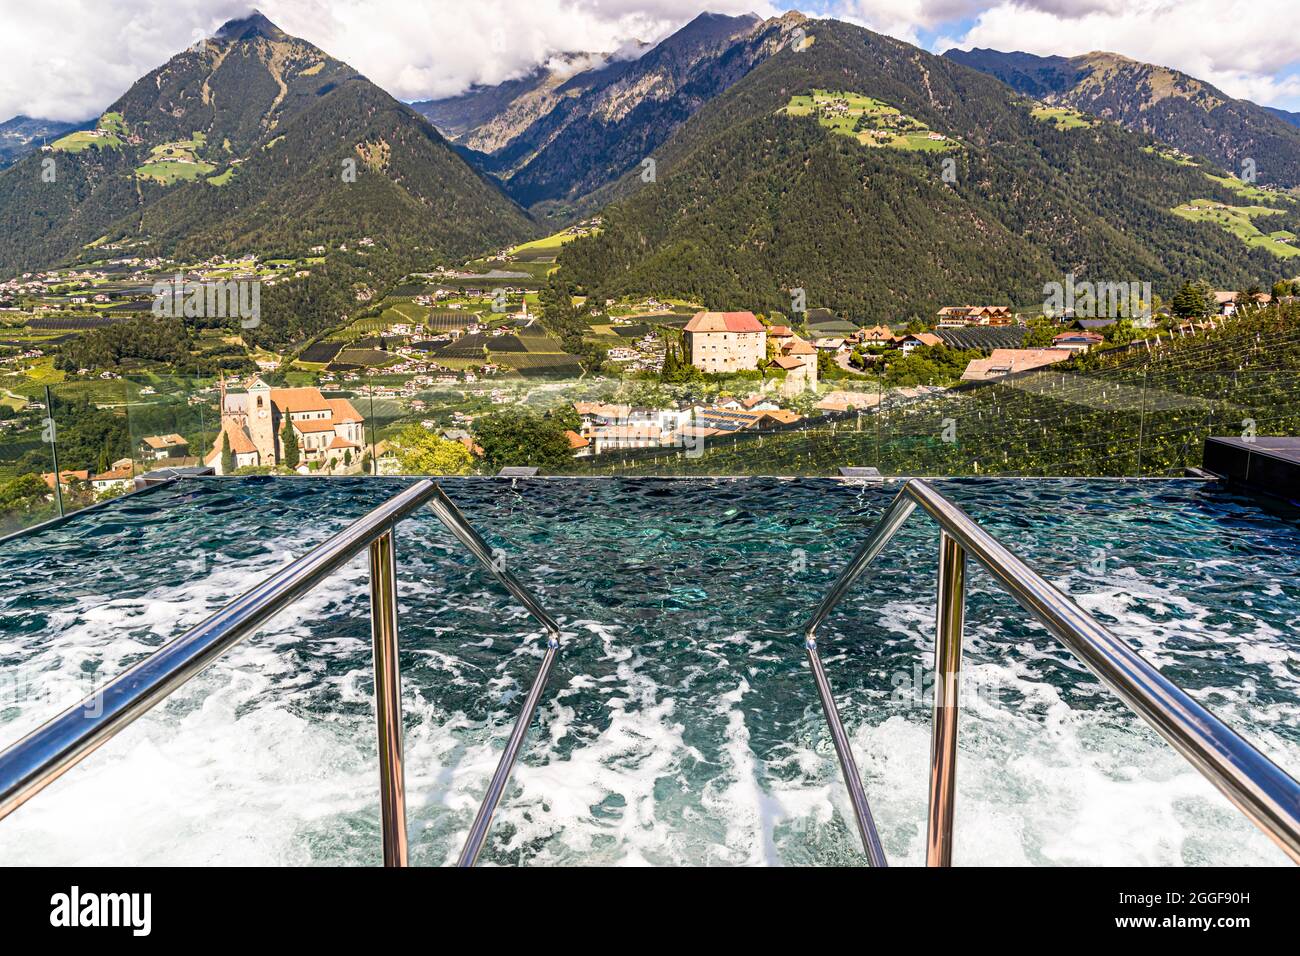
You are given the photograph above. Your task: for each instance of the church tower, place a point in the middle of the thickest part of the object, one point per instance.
(261, 421)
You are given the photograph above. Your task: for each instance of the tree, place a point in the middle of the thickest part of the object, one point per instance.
(421, 452)
(23, 500)
(1121, 332)
(227, 456)
(290, 441)
(520, 437)
(1039, 333)
(1193, 300)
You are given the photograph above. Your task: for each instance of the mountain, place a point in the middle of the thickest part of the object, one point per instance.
(247, 142)
(886, 182)
(1285, 115)
(25, 134)
(487, 118)
(1175, 108)
(552, 141)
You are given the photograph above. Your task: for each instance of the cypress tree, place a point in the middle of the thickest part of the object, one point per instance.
(290, 441)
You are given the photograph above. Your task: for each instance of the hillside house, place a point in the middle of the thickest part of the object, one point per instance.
(909, 343)
(955, 315)
(120, 477)
(799, 360)
(158, 447)
(877, 334)
(1076, 341)
(1009, 361)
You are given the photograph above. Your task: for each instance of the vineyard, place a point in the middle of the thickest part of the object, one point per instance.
(1130, 413)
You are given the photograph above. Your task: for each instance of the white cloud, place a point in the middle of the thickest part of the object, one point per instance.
(69, 59)
(1244, 47)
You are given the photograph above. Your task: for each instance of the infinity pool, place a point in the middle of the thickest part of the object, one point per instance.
(681, 725)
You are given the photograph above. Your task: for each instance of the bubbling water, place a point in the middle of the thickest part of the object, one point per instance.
(681, 725)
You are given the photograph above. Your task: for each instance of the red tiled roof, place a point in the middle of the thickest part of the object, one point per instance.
(312, 425)
(724, 322)
(343, 410)
(65, 476)
(304, 399)
(241, 443)
(114, 474)
(576, 441)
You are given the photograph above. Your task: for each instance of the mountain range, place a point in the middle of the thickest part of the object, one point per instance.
(553, 140)
(733, 162)
(25, 134)
(1175, 108)
(756, 199)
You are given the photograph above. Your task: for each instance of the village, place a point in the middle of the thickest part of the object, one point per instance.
(793, 381)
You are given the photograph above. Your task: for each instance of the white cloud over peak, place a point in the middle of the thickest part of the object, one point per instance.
(69, 59)
(1244, 47)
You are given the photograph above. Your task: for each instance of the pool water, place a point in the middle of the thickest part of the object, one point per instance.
(681, 725)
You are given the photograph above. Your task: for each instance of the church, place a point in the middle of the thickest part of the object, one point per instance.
(327, 430)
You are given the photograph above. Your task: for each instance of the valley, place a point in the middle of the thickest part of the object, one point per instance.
(842, 192)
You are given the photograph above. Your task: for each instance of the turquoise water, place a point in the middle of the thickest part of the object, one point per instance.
(681, 724)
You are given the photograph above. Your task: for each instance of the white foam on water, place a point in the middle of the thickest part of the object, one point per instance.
(233, 770)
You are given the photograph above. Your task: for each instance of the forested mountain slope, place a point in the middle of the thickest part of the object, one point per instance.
(751, 201)
(251, 141)
(1173, 107)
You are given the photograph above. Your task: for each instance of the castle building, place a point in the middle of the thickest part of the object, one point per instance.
(328, 430)
(725, 341)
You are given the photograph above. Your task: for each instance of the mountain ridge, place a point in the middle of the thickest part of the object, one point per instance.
(1174, 107)
(598, 125)
(172, 166)
(752, 201)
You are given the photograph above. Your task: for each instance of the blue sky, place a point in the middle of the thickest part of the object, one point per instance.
(55, 61)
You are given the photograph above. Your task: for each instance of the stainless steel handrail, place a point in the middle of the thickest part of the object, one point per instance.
(1260, 789)
(451, 516)
(45, 754)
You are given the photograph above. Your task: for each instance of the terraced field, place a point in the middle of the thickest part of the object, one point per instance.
(870, 121)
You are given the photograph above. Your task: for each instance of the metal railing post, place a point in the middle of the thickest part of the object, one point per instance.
(54, 449)
(848, 767)
(388, 698)
(947, 673)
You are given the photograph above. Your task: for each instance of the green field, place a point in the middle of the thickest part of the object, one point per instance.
(548, 244)
(176, 161)
(1062, 117)
(107, 134)
(1239, 220)
(1244, 190)
(539, 342)
(1172, 156)
(870, 121)
(85, 139)
(368, 357)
